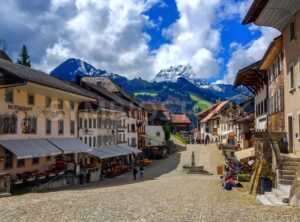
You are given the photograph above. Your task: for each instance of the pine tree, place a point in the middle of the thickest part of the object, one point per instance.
(24, 58)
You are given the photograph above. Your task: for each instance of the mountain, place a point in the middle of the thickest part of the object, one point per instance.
(71, 68)
(172, 74)
(176, 86)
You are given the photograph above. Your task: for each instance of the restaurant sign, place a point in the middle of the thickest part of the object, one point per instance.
(19, 108)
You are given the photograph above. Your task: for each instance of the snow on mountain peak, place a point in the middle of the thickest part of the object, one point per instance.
(173, 73)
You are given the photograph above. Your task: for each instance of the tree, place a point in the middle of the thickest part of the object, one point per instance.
(167, 130)
(24, 58)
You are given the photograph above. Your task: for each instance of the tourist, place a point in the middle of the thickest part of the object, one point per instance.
(141, 172)
(134, 173)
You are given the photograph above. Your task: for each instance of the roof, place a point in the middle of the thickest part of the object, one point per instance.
(248, 118)
(154, 106)
(254, 11)
(213, 112)
(180, 118)
(106, 83)
(250, 77)
(70, 145)
(4, 56)
(272, 52)
(27, 74)
(109, 96)
(203, 112)
(30, 148)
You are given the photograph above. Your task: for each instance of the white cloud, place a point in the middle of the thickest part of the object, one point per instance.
(244, 55)
(109, 35)
(194, 40)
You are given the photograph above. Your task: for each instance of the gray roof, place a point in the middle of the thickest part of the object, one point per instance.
(70, 145)
(39, 77)
(30, 148)
(109, 152)
(110, 96)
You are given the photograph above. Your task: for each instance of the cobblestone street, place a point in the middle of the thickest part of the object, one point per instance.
(165, 194)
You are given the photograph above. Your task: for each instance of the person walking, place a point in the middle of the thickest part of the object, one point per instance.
(141, 172)
(134, 173)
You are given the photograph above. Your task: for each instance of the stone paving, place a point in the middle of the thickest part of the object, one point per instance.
(165, 194)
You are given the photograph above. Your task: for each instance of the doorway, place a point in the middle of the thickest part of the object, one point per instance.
(291, 133)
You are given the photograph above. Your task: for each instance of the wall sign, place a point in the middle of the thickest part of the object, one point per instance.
(19, 108)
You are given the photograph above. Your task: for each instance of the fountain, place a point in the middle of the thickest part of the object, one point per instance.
(192, 168)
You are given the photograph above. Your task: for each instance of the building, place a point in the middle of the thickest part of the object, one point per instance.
(131, 121)
(180, 123)
(38, 123)
(285, 17)
(158, 116)
(213, 119)
(244, 124)
(255, 81)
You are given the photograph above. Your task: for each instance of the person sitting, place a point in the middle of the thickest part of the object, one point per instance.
(229, 183)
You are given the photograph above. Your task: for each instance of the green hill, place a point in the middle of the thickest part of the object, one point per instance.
(201, 104)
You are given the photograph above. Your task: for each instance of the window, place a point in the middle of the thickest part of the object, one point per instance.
(99, 123)
(85, 140)
(29, 125)
(60, 127)
(133, 127)
(8, 124)
(20, 163)
(85, 123)
(72, 105)
(48, 158)
(94, 142)
(35, 161)
(60, 104)
(8, 159)
(30, 99)
(95, 123)
(72, 127)
(292, 31)
(90, 123)
(80, 123)
(99, 141)
(9, 96)
(48, 102)
(80, 138)
(292, 84)
(133, 141)
(158, 134)
(90, 141)
(48, 126)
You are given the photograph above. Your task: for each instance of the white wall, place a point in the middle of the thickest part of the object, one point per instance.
(155, 131)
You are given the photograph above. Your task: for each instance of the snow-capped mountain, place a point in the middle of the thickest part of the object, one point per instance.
(72, 68)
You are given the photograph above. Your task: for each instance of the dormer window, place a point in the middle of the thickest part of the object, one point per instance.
(30, 99)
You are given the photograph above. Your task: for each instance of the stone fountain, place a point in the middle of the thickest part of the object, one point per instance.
(193, 169)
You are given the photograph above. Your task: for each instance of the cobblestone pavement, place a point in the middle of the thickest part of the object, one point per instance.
(166, 194)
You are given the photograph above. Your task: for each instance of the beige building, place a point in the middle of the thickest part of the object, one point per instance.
(38, 121)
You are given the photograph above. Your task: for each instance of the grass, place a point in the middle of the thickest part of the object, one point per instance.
(179, 138)
(201, 104)
(146, 93)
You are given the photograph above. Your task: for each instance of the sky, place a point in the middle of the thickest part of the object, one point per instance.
(136, 38)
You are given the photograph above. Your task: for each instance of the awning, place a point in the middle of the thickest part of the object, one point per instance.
(70, 145)
(130, 149)
(30, 148)
(246, 153)
(109, 152)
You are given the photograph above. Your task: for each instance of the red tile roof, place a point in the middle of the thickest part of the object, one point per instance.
(212, 113)
(180, 118)
(154, 106)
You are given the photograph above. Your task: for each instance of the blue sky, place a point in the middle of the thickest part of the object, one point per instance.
(136, 38)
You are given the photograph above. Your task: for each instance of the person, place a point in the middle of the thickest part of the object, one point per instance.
(141, 172)
(134, 173)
